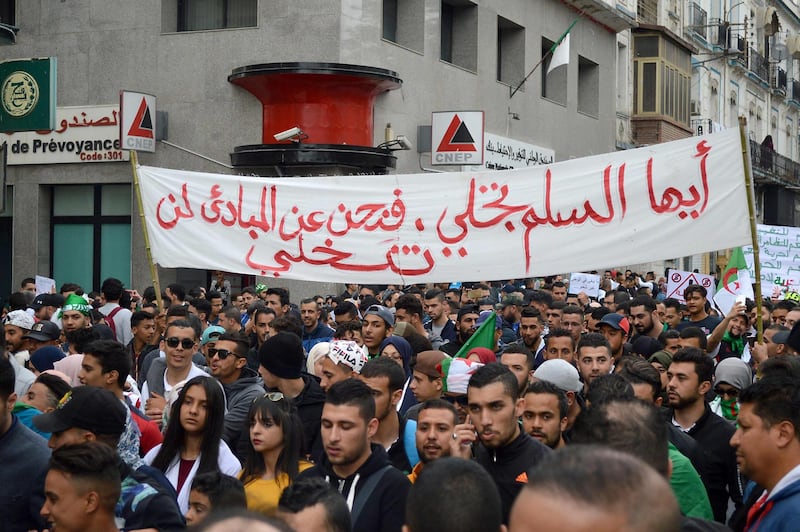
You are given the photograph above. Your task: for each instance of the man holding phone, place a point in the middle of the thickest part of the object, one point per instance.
(493, 434)
(729, 337)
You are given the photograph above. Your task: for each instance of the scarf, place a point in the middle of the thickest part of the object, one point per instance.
(736, 342)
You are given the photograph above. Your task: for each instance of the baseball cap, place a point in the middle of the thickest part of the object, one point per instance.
(85, 407)
(19, 318)
(44, 331)
(47, 300)
(211, 334)
(384, 313)
(484, 315)
(348, 353)
(427, 362)
(510, 300)
(616, 321)
(561, 373)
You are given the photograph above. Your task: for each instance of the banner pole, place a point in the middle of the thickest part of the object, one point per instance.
(153, 268)
(751, 207)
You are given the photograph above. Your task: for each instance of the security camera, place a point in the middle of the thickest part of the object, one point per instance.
(294, 133)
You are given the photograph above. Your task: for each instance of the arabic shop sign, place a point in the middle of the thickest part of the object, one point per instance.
(82, 135)
(28, 94)
(502, 153)
(662, 201)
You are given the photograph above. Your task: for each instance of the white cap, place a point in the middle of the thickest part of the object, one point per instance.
(561, 373)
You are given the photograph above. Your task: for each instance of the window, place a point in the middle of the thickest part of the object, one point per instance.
(404, 23)
(661, 78)
(588, 87)
(459, 37)
(198, 15)
(91, 234)
(554, 84)
(7, 12)
(510, 52)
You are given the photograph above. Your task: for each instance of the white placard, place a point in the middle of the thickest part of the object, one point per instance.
(678, 280)
(45, 285)
(584, 282)
(779, 254)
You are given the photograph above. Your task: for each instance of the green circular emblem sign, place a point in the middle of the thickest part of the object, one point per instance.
(20, 94)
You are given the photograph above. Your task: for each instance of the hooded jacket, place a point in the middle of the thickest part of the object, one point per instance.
(384, 509)
(309, 407)
(781, 513)
(508, 466)
(239, 395)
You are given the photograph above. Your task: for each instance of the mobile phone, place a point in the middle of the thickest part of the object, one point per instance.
(741, 299)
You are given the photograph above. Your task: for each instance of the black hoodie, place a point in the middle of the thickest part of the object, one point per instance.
(508, 466)
(309, 407)
(384, 510)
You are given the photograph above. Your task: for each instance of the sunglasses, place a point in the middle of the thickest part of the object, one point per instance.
(729, 392)
(272, 396)
(460, 400)
(221, 353)
(174, 341)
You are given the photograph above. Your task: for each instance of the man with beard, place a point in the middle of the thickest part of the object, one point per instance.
(374, 490)
(531, 326)
(465, 327)
(314, 331)
(594, 357)
(504, 450)
(544, 413)
(436, 419)
(645, 318)
(386, 379)
(690, 377)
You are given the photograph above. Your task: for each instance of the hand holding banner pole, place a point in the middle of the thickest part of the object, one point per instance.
(748, 178)
(153, 268)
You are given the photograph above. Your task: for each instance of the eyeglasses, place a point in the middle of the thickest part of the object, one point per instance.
(222, 354)
(729, 392)
(272, 396)
(174, 341)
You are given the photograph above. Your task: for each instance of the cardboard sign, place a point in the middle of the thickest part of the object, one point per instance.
(584, 282)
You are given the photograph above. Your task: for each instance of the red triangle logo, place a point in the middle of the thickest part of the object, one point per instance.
(522, 477)
(457, 137)
(142, 125)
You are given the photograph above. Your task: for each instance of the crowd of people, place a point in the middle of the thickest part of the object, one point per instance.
(381, 409)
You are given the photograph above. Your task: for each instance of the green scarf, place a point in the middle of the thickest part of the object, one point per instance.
(74, 302)
(737, 342)
(729, 408)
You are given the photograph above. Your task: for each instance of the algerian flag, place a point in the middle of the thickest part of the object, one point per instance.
(482, 337)
(456, 373)
(735, 282)
(560, 50)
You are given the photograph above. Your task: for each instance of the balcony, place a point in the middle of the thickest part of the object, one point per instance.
(758, 65)
(770, 168)
(698, 20)
(647, 12)
(777, 80)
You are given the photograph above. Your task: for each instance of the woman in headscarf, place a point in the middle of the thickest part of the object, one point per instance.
(481, 354)
(398, 349)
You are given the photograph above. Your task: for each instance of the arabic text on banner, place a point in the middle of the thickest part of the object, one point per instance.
(659, 202)
(779, 254)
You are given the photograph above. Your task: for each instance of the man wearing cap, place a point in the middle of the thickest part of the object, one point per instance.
(343, 361)
(426, 381)
(75, 314)
(88, 413)
(43, 333)
(616, 329)
(281, 363)
(209, 339)
(16, 325)
(565, 377)
(376, 326)
(23, 455)
(510, 313)
(228, 364)
(45, 305)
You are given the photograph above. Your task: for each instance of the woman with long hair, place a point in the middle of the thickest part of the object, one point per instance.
(273, 458)
(193, 438)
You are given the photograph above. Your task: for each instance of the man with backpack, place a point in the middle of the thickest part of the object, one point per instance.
(116, 317)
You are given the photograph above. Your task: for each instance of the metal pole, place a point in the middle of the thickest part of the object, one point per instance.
(153, 268)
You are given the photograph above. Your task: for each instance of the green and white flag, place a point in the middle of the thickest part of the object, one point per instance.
(735, 281)
(560, 50)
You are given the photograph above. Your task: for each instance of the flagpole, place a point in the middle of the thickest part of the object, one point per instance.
(545, 56)
(153, 269)
(748, 180)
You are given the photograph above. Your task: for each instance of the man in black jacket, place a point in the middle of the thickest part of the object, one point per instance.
(505, 451)
(690, 377)
(374, 491)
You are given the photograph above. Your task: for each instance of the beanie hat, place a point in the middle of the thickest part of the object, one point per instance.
(663, 357)
(561, 373)
(19, 318)
(282, 355)
(44, 357)
(75, 302)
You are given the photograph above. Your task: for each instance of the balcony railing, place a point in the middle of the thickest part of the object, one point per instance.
(758, 65)
(698, 18)
(777, 78)
(647, 11)
(768, 166)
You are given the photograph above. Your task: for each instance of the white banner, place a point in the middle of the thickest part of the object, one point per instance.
(659, 202)
(678, 280)
(779, 254)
